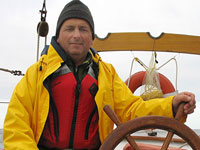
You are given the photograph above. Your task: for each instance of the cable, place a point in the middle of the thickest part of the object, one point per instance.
(42, 27)
(14, 72)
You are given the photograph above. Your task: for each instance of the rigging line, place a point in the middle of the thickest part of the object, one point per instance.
(45, 40)
(154, 49)
(155, 54)
(173, 58)
(43, 11)
(140, 62)
(38, 45)
(6, 70)
(130, 72)
(14, 72)
(4, 102)
(42, 28)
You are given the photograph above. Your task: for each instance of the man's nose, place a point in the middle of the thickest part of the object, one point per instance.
(76, 33)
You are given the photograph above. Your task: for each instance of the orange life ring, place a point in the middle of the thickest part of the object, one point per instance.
(136, 80)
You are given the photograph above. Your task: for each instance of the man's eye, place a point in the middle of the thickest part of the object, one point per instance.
(69, 29)
(83, 29)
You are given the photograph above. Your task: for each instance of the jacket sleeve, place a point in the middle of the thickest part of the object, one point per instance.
(17, 131)
(128, 106)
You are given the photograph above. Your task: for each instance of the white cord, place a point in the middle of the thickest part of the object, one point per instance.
(176, 69)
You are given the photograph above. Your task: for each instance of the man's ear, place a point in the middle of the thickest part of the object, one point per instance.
(58, 40)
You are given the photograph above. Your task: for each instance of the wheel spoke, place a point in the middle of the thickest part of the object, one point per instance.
(109, 111)
(167, 141)
(132, 142)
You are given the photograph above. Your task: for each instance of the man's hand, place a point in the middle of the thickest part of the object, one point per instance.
(188, 98)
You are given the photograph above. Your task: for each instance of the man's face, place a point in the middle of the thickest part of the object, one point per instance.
(75, 37)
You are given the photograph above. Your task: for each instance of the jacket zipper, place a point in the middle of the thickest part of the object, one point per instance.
(77, 94)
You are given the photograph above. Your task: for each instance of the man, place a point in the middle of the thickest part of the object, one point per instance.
(59, 102)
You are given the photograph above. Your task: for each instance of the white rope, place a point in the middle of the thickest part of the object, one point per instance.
(176, 69)
(140, 62)
(38, 45)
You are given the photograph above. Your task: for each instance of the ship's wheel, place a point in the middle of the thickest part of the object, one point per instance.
(173, 126)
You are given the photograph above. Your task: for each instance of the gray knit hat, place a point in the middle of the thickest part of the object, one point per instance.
(75, 9)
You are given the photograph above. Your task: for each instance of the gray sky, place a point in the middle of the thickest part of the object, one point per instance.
(18, 38)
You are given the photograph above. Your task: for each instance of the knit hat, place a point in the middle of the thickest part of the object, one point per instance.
(75, 9)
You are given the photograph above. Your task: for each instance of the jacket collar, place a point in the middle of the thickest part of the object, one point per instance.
(58, 48)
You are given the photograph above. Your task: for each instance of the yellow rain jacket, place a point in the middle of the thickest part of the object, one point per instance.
(29, 104)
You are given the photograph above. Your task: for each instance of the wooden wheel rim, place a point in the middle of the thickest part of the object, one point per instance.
(158, 122)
